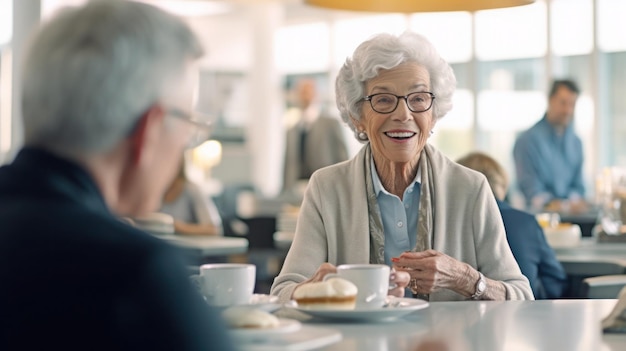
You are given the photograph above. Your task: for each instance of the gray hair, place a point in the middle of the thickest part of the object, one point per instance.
(386, 51)
(91, 72)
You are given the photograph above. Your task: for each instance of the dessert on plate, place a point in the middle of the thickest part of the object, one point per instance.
(563, 235)
(332, 294)
(155, 223)
(249, 318)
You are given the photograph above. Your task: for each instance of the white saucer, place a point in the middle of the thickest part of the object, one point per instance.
(395, 308)
(263, 298)
(262, 302)
(285, 326)
(267, 303)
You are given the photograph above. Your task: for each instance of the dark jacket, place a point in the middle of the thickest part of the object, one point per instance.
(73, 277)
(535, 257)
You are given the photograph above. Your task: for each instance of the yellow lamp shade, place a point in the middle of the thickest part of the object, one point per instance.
(408, 6)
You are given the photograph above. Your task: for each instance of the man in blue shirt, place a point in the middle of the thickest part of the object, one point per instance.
(549, 155)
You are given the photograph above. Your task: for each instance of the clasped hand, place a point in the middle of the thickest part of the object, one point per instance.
(431, 270)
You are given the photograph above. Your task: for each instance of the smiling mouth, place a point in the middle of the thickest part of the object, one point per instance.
(400, 135)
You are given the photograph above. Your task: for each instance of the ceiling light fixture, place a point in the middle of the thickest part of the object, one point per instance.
(409, 6)
(191, 8)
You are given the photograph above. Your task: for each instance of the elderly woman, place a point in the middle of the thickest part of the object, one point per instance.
(399, 201)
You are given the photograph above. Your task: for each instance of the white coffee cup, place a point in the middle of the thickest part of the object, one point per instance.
(372, 281)
(226, 284)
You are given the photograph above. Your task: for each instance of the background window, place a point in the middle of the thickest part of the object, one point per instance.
(511, 32)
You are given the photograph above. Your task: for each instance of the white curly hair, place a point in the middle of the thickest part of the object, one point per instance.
(386, 51)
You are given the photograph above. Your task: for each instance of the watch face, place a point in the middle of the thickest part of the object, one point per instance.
(481, 286)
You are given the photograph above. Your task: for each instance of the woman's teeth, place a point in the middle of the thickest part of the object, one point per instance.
(400, 135)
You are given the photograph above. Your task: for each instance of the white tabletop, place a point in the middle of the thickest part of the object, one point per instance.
(486, 326)
(590, 246)
(210, 246)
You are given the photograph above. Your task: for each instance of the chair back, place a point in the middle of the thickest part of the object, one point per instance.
(592, 268)
(577, 271)
(604, 287)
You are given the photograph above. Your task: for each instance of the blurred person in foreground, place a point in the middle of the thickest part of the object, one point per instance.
(107, 95)
(399, 201)
(549, 156)
(315, 140)
(525, 236)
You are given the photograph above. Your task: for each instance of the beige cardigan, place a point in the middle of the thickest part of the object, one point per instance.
(333, 226)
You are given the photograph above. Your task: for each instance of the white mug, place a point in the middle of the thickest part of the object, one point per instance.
(372, 281)
(226, 284)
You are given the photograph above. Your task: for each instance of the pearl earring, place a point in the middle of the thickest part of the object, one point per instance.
(362, 136)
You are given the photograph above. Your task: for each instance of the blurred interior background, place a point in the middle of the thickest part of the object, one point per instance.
(504, 60)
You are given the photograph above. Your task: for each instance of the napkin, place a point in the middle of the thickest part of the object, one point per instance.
(615, 322)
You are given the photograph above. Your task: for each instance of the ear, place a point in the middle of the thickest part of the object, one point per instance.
(146, 133)
(356, 123)
(433, 123)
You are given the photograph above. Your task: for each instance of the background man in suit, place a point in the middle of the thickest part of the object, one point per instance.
(315, 141)
(107, 94)
(528, 243)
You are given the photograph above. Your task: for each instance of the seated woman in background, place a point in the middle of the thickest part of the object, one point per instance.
(526, 238)
(193, 211)
(400, 201)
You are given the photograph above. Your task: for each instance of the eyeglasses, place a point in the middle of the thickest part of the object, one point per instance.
(387, 103)
(201, 123)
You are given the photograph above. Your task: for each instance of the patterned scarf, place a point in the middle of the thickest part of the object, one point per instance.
(425, 227)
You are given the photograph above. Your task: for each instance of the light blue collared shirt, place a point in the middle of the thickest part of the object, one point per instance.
(399, 216)
(549, 165)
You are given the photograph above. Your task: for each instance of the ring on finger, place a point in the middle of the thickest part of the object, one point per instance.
(413, 285)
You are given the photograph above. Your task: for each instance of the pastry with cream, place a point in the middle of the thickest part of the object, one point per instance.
(249, 318)
(332, 294)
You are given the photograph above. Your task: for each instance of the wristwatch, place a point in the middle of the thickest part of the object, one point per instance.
(481, 286)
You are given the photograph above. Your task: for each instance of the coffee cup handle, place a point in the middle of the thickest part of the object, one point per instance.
(392, 285)
(196, 281)
(330, 275)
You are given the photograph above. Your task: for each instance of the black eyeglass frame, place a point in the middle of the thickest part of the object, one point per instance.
(406, 100)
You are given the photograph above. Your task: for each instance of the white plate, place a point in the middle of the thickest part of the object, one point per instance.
(285, 326)
(267, 303)
(262, 302)
(396, 307)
